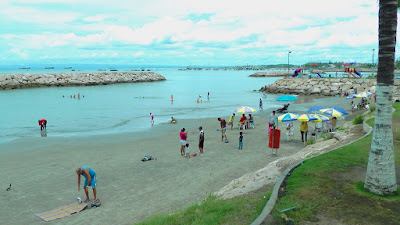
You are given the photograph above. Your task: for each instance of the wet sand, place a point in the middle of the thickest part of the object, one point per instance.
(42, 170)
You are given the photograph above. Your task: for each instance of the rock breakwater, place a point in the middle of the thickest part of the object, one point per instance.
(16, 81)
(326, 87)
(270, 74)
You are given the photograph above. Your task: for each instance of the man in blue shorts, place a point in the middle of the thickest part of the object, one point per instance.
(90, 180)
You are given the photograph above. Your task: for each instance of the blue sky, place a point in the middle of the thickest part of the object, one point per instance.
(183, 32)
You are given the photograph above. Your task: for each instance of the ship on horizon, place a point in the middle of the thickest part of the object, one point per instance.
(49, 67)
(24, 68)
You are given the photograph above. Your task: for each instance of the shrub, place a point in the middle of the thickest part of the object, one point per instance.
(358, 120)
(310, 142)
(372, 108)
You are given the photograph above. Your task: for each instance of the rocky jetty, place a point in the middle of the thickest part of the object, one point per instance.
(15, 81)
(270, 74)
(326, 87)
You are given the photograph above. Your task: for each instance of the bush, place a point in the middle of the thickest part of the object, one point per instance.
(372, 108)
(310, 142)
(358, 120)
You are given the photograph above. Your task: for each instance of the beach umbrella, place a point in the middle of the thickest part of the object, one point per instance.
(364, 95)
(315, 109)
(307, 117)
(340, 110)
(351, 96)
(331, 112)
(288, 117)
(321, 118)
(346, 64)
(287, 98)
(244, 109)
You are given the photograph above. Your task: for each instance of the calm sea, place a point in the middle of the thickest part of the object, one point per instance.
(118, 108)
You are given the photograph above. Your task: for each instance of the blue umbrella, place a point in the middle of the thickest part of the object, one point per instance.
(287, 98)
(288, 117)
(351, 96)
(315, 109)
(340, 110)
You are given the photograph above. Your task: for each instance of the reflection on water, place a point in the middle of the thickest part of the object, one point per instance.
(43, 133)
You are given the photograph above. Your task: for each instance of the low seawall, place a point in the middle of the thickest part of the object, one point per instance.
(325, 86)
(270, 74)
(16, 81)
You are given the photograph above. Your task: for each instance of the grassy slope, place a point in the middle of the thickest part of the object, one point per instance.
(329, 185)
(241, 210)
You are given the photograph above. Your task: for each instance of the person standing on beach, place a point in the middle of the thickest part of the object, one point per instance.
(152, 118)
(240, 140)
(261, 104)
(201, 139)
(90, 180)
(187, 151)
(183, 142)
(273, 119)
(223, 129)
(231, 119)
(304, 130)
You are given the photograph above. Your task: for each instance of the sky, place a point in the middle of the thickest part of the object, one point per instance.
(187, 32)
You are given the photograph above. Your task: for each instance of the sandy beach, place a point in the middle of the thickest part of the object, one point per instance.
(42, 170)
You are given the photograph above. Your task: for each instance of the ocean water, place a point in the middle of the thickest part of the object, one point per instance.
(119, 108)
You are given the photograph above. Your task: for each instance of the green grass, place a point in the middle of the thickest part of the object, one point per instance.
(318, 186)
(240, 210)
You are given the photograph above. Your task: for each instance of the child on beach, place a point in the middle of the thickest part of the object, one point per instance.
(240, 140)
(187, 150)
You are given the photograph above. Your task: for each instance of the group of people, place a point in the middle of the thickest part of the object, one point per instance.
(185, 150)
(244, 122)
(75, 96)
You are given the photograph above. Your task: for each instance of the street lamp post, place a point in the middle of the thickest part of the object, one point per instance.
(373, 54)
(288, 62)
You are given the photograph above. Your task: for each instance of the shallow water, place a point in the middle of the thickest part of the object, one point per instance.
(119, 108)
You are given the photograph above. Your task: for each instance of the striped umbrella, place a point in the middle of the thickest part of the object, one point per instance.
(364, 95)
(321, 118)
(315, 109)
(288, 117)
(244, 109)
(331, 112)
(307, 117)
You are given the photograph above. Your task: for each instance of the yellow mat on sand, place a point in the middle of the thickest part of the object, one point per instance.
(62, 211)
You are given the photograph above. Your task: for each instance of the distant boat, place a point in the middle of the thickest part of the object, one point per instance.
(67, 68)
(148, 70)
(101, 70)
(113, 70)
(49, 67)
(24, 68)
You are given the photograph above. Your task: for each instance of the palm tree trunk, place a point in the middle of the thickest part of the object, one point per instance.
(381, 177)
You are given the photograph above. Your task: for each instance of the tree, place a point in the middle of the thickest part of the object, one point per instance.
(381, 176)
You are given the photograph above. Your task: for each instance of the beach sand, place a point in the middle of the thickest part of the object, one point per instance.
(42, 170)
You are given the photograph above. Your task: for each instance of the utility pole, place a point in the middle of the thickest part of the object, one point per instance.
(288, 62)
(373, 54)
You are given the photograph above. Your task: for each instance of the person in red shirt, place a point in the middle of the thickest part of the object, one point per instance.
(183, 141)
(243, 120)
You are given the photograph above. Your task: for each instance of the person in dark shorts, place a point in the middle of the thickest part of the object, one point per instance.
(201, 139)
(223, 129)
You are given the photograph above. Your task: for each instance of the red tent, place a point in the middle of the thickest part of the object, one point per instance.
(346, 64)
(314, 64)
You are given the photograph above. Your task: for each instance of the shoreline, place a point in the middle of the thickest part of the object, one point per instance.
(130, 189)
(18, 81)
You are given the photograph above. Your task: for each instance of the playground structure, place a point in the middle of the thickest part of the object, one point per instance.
(351, 71)
(297, 72)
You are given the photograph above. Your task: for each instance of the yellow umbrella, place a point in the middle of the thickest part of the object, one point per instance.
(307, 117)
(331, 112)
(321, 118)
(244, 109)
